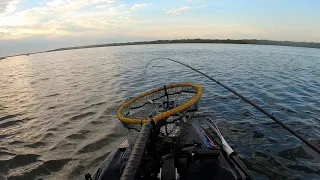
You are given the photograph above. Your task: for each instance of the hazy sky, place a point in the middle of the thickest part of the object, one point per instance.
(29, 25)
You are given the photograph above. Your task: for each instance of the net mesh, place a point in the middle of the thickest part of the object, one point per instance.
(161, 101)
(156, 103)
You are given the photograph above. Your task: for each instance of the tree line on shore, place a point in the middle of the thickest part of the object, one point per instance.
(176, 41)
(224, 41)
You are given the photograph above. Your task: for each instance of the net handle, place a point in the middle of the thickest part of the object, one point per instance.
(164, 114)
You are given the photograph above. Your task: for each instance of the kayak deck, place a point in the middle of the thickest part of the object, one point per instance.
(169, 159)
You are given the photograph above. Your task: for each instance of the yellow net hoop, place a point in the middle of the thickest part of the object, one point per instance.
(163, 115)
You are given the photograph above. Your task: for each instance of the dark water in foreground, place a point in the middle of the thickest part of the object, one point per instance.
(57, 110)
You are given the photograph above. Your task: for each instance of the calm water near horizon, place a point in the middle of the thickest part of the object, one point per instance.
(58, 110)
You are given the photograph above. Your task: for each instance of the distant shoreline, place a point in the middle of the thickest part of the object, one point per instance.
(179, 41)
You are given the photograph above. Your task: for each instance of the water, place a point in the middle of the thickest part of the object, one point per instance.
(57, 110)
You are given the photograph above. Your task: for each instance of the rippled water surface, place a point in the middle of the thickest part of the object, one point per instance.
(57, 110)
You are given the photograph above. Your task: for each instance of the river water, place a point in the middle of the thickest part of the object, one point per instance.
(57, 109)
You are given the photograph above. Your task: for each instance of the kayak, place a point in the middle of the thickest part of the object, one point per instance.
(169, 140)
(200, 157)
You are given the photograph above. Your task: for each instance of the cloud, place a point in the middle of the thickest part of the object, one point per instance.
(103, 6)
(8, 6)
(106, 1)
(178, 11)
(194, 0)
(111, 1)
(203, 6)
(139, 6)
(3, 4)
(65, 17)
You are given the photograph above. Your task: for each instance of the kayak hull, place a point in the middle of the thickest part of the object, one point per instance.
(196, 159)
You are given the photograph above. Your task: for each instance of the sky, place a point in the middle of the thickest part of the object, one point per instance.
(30, 25)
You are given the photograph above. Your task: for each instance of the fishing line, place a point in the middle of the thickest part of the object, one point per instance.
(314, 147)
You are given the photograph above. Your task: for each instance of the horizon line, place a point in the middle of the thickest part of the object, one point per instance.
(190, 40)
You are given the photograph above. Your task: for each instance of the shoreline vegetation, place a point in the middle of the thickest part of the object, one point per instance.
(181, 41)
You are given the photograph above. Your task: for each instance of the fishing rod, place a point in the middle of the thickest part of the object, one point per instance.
(277, 120)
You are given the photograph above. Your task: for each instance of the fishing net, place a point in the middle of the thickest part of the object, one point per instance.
(166, 105)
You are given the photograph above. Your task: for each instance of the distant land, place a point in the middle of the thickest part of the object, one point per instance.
(222, 41)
